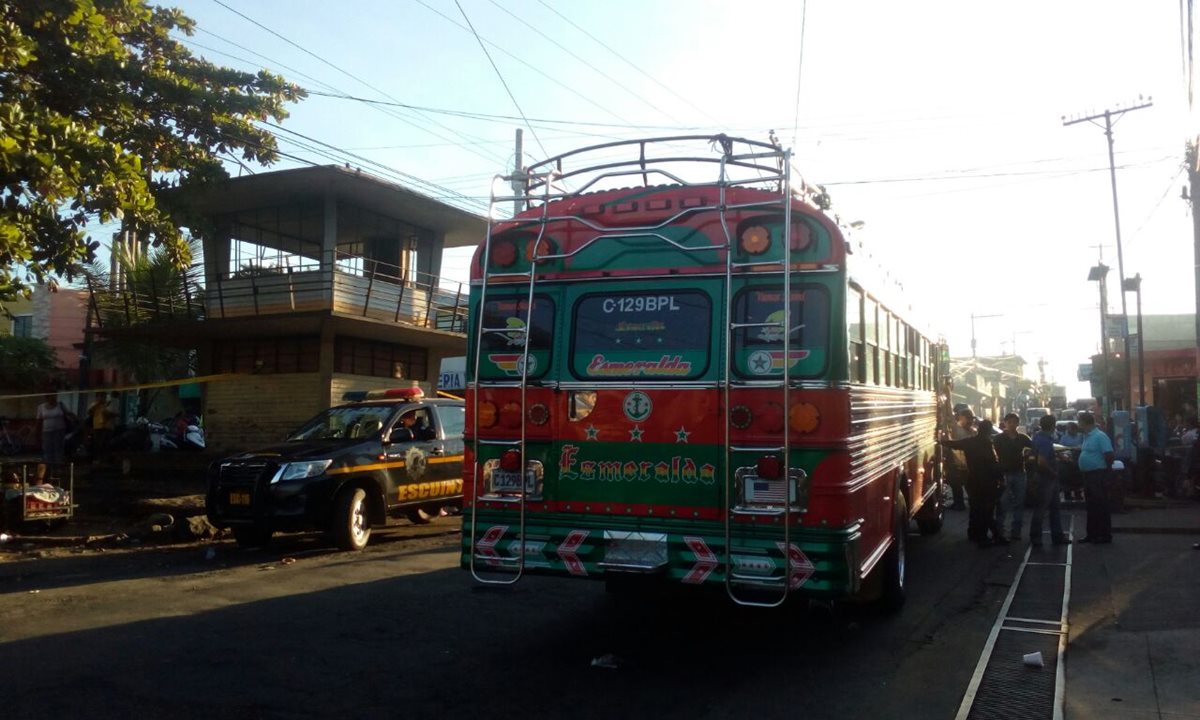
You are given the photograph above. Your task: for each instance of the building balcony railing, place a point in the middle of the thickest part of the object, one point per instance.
(355, 286)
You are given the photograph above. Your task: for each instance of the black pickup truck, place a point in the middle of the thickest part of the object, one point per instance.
(394, 453)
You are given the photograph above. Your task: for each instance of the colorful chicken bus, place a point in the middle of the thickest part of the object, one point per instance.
(687, 380)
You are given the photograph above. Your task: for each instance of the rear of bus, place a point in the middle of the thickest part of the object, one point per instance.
(629, 449)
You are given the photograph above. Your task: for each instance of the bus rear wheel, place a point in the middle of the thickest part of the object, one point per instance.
(931, 515)
(892, 597)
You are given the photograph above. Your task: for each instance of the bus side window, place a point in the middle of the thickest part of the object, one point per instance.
(854, 333)
(870, 325)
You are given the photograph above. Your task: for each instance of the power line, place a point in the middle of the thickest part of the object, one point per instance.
(568, 88)
(490, 158)
(500, 75)
(973, 176)
(598, 71)
(1157, 205)
(621, 57)
(490, 116)
(800, 69)
(399, 173)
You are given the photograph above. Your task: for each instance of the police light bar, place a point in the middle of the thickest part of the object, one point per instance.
(408, 393)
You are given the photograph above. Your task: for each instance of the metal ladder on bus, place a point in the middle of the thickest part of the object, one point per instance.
(734, 510)
(497, 562)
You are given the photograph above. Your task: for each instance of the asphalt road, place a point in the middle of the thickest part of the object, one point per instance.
(301, 631)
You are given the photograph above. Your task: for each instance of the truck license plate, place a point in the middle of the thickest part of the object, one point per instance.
(239, 498)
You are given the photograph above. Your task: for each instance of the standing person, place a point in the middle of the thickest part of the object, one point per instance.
(956, 466)
(1070, 480)
(1048, 487)
(1095, 462)
(104, 413)
(1011, 449)
(982, 473)
(52, 424)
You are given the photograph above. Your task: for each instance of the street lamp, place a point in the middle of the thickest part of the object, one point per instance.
(1099, 275)
(1134, 284)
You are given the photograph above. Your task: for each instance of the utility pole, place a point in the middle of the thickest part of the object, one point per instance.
(975, 317)
(1109, 116)
(1193, 158)
(518, 174)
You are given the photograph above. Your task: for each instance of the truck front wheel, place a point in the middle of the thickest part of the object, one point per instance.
(351, 526)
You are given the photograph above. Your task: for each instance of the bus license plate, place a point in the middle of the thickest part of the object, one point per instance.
(506, 481)
(239, 498)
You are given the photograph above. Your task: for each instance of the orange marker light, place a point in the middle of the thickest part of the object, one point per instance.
(755, 240)
(543, 249)
(804, 417)
(487, 414)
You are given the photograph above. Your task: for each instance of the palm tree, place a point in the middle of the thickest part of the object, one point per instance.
(149, 289)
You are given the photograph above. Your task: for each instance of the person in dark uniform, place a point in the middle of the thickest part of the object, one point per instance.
(982, 484)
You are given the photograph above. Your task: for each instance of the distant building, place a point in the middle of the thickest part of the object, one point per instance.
(1169, 363)
(317, 281)
(993, 386)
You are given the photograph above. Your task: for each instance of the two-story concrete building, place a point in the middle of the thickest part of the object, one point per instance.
(317, 281)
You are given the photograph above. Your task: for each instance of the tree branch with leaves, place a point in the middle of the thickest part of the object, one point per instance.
(102, 110)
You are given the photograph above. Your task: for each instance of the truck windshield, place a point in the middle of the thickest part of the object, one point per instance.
(349, 422)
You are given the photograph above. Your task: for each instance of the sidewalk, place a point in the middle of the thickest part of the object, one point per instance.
(1134, 644)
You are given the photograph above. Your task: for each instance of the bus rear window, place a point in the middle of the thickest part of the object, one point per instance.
(758, 351)
(503, 340)
(660, 335)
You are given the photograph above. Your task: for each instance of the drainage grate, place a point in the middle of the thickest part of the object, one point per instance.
(1010, 690)
(1041, 592)
(1032, 619)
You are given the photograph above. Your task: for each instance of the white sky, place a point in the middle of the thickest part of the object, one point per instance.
(936, 123)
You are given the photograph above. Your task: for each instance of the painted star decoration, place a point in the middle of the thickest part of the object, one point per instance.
(592, 432)
(635, 435)
(681, 435)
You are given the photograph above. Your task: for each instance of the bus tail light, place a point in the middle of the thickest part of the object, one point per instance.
(487, 414)
(771, 418)
(755, 240)
(510, 461)
(769, 467)
(504, 253)
(510, 415)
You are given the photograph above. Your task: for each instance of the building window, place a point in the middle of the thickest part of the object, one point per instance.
(22, 326)
(379, 359)
(273, 355)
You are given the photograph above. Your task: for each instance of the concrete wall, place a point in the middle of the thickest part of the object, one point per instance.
(253, 410)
